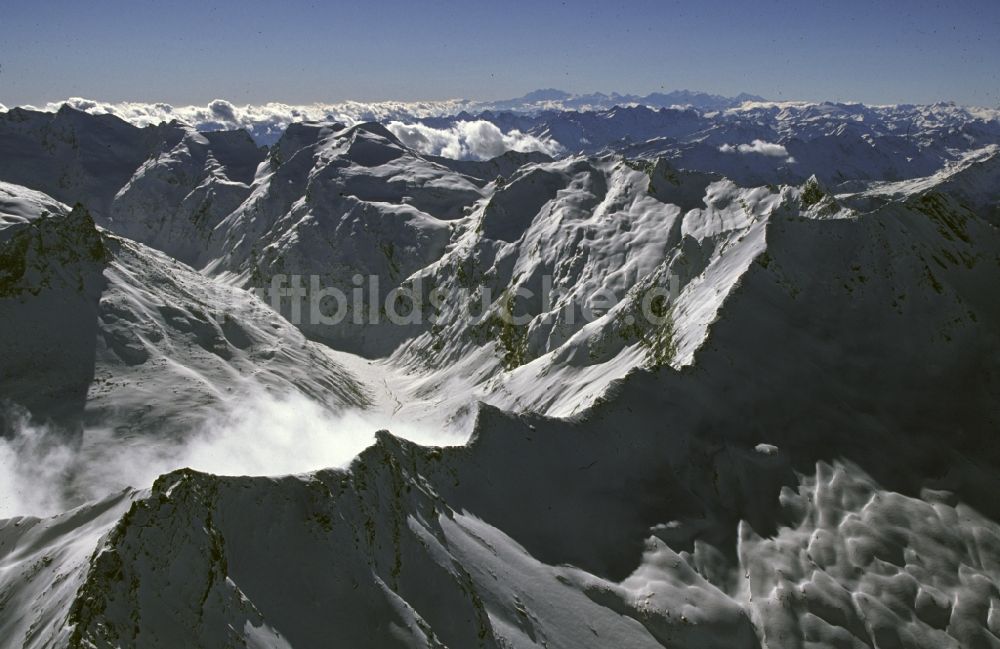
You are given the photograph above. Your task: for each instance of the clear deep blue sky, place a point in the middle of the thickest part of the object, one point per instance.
(297, 52)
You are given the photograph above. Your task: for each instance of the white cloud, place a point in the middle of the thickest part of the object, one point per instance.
(32, 465)
(41, 473)
(265, 122)
(223, 110)
(757, 146)
(477, 140)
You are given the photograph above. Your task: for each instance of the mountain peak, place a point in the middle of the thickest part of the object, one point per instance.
(546, 94)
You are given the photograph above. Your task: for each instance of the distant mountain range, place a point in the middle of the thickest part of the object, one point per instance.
(746, 137)
(221, 112)
(266, 121)
(552, 99)
(749, 140)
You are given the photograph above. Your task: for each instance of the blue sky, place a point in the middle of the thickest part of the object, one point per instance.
(298, 52)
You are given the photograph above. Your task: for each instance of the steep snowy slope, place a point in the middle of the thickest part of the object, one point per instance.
(98, 329)
(971, 181)
(177, 197)
(335, 204)
(71, 155)
(557, 268)
(819, 473)
(43, 565)
(104, 162)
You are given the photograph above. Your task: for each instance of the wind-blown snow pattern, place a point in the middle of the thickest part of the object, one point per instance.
(799, 453)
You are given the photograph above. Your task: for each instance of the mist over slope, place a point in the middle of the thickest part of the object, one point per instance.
(798, 451)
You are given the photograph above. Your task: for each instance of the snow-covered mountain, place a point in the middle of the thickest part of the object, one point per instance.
(798, 453)
(766, 142)
(750, 140)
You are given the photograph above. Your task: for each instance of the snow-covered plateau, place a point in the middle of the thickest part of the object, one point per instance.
(799, 450)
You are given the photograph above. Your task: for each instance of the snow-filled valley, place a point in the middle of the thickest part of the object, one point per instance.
(487, 442)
